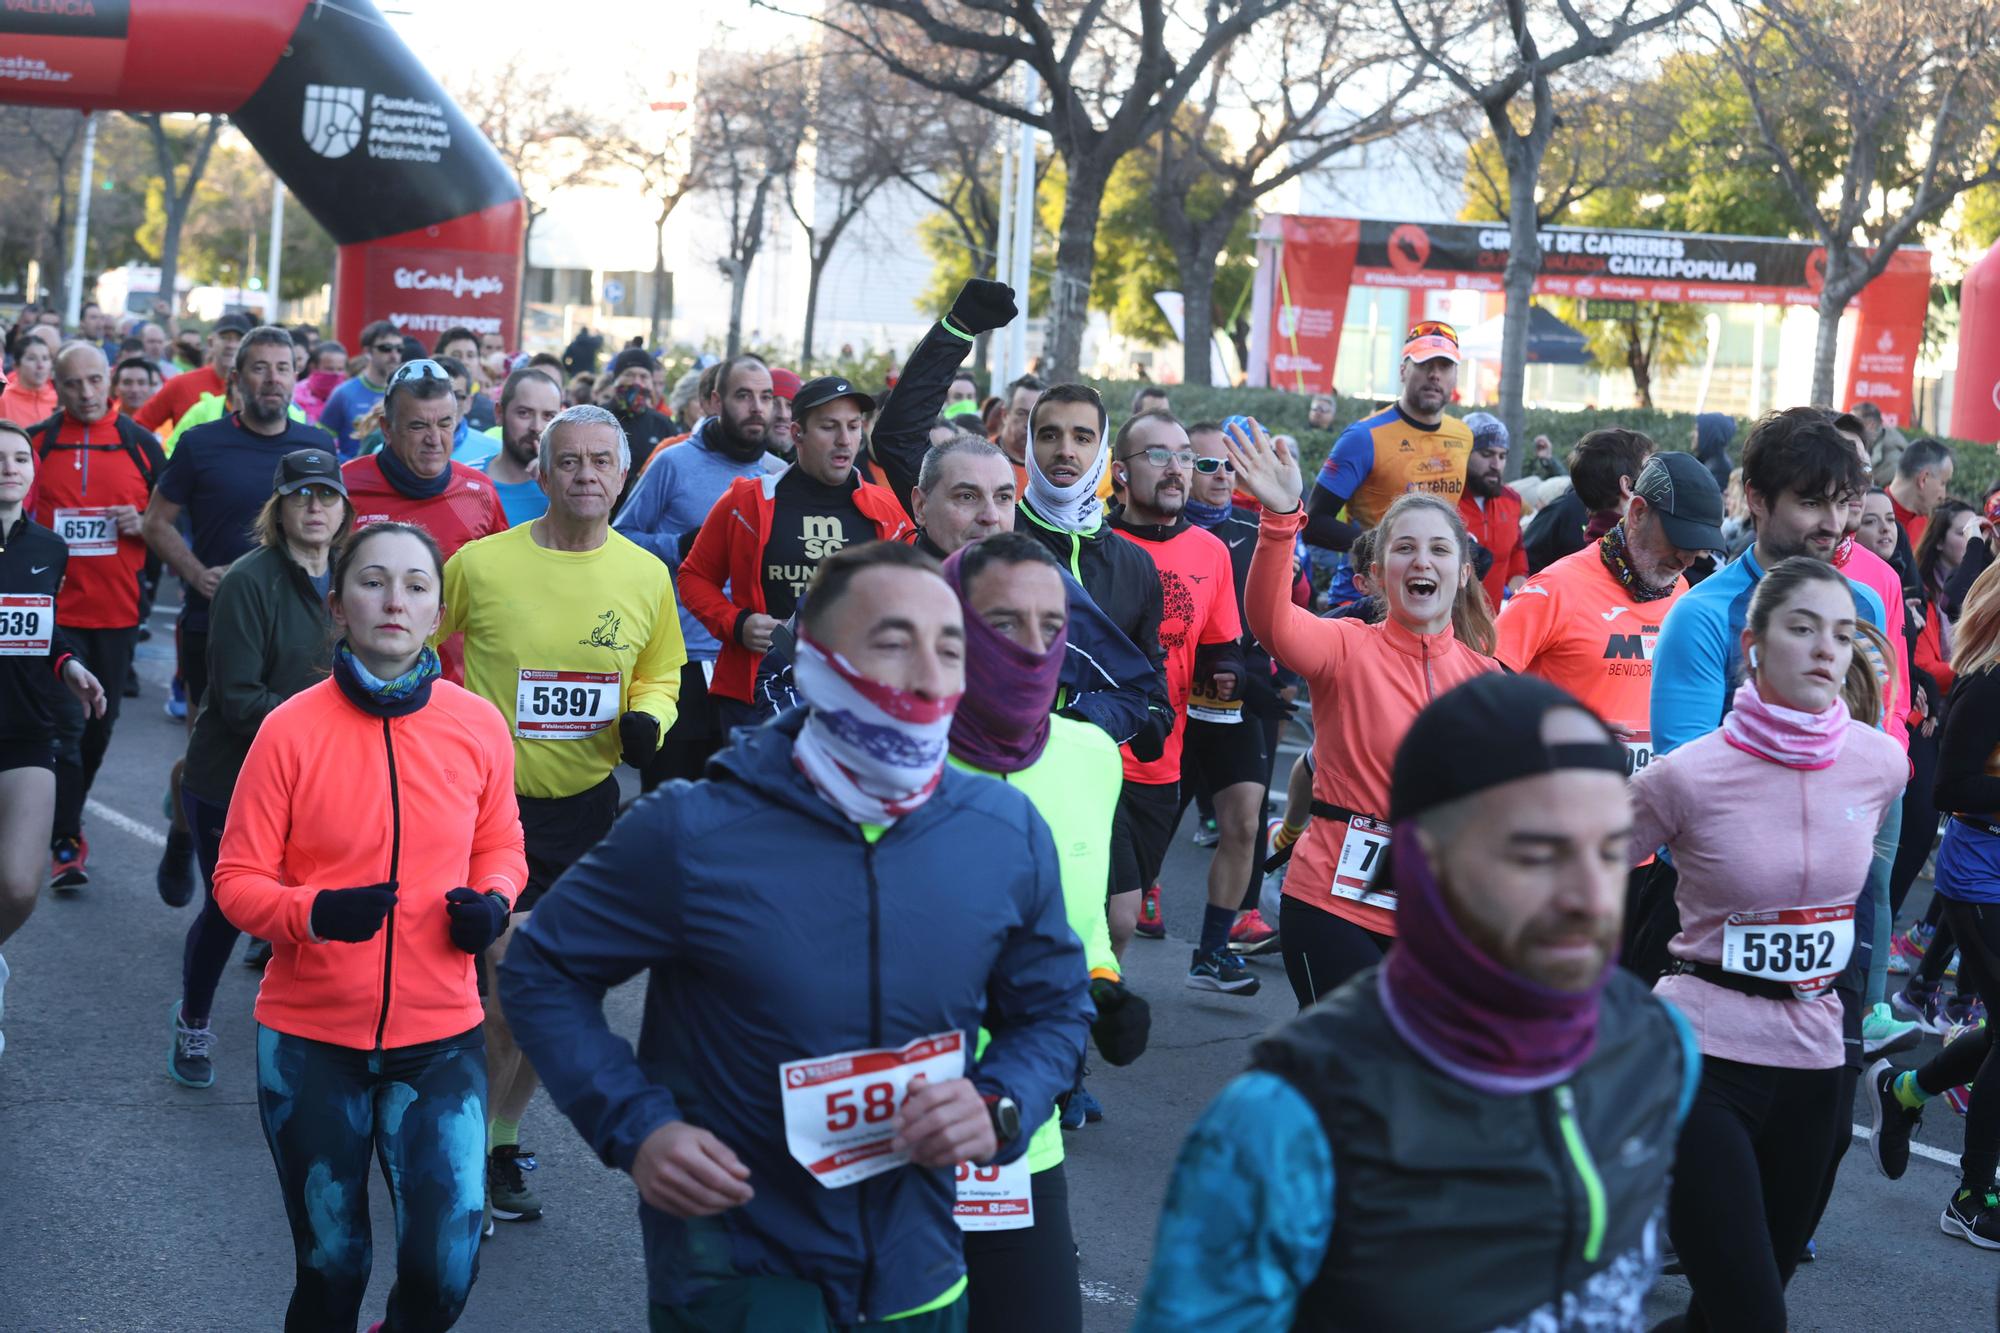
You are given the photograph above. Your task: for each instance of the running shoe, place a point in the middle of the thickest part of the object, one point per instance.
(1206, 834)
(67, 871)
(1810, 1254)
(1973, 1217)
(1957, 1011)
(188, 1059)
(1222, 971)
(1072, 1112)
(1882, 1033)
(1252, 935)
(507, 1192)
(257, 955)
(1895, 1123)
(175, 877)
(1917, 1003)
(176, 705)
(1093, 1110)
(1906, 948)
(1151, 924)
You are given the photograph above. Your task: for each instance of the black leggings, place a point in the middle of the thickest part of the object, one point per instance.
(1747, 1178)
(1970, 1059)
(1027, 1279)
(1323, 950)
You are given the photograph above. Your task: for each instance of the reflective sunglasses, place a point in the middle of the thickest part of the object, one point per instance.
(1431, 328)
(1210, 466)
(411, 371)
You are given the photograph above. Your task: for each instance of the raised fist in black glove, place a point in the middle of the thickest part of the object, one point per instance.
(352, 915)
(983, 305)
(477, 919)
(638, 737)
(1124, 1022)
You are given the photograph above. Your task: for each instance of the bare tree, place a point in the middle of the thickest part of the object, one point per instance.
(658, 149)
(178, 183)
(1912, 97)
(1282, 83)
(1112, 77)
(545, 136)
(864, 137)
(53, 137)
(1494, 56)
(749, 125)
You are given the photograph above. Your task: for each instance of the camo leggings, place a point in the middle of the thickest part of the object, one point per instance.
(422, 1111)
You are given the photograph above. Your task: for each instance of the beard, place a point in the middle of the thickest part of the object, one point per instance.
(1485, 488)
(734, 444)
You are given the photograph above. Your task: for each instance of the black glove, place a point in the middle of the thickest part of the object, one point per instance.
(352, 915)
(638, 737)
(685, 542)
(983, 305)
(1124, 1021)
(477, 919)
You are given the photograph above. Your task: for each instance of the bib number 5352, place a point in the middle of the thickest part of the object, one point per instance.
(1803, 947)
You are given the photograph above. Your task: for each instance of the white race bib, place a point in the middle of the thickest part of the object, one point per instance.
(27, 625)
(840, 1110)
(1364, 846)
(1638, 752)
(1804, 947)
(88, 531)
(565, 705)
(994, 1198)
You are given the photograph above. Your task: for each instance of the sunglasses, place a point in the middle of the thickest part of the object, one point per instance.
(324, 496)
(1431, 328)
(411, 371)
(1210, 466)
(389, 349)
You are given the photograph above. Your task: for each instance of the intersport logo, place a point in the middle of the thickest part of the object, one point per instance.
(456, 282)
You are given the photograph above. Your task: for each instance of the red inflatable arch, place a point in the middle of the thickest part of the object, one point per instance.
(428, 218)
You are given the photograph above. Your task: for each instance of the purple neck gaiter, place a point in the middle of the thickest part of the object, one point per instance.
(1002, 721)
(1467, 1016)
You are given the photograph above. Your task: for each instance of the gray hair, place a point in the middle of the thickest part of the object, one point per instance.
(966, 445)
(583, 414)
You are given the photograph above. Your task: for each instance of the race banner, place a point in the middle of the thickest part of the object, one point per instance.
(1311, 262)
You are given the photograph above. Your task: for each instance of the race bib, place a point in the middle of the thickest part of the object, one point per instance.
(840, 1110)
(1638, 752)
(27, 624)
(1804, 947)
(994, 1198)
(1364, 846)
(565, 705)
(1205, 707)
(88, 531)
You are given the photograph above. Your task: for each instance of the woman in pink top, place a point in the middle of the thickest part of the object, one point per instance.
(31, 395)
(1771, 821)
(1368, 684)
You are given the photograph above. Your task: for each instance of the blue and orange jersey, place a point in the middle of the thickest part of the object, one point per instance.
(1387, 455)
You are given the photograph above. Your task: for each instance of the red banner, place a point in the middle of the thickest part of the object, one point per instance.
(1318, 258)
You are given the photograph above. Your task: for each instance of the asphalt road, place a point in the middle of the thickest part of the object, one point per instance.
(128, 1202)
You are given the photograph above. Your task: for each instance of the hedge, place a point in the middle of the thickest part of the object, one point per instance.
(1976, 471)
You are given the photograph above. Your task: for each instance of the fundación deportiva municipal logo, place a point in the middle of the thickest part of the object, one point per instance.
(333, 118)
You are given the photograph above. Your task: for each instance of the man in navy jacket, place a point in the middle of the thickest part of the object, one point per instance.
(827, 920)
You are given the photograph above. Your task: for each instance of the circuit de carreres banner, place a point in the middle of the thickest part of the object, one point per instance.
(1313, 262)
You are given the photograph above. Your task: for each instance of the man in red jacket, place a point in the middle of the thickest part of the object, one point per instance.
(764, 540)
(1491, 510)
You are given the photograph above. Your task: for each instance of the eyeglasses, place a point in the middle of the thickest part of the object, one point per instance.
(411, 371)
(389, 349)
(1431, 328)
(1208, 467)
(1160, 457)
(306, 496)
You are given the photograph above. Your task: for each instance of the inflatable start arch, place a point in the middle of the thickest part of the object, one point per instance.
(428, 218)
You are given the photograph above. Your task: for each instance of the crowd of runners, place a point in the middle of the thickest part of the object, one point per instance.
(1587, 885)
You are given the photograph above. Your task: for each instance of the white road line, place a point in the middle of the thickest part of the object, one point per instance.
(1934, 1154)
(145, 833)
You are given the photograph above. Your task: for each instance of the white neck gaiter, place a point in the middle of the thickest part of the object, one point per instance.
(1075, 507)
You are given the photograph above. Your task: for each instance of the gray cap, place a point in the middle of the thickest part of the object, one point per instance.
(1682, 491)
(309, 467)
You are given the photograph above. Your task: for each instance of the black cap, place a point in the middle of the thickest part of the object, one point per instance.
(234, 323)
(820, 392)
(308, 467)
(1483, 733)
(1682, 491)
(633, 357)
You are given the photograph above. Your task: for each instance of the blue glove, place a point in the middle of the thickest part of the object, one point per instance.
(477, 919)
(352, 915)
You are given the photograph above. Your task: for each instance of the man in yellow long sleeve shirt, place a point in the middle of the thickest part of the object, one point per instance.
(571, 631)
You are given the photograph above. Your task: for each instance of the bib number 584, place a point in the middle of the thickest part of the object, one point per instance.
(875, 1103)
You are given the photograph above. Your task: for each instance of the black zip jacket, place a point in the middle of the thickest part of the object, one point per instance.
(1967, 744)
(1119, 577)
(32, 561)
